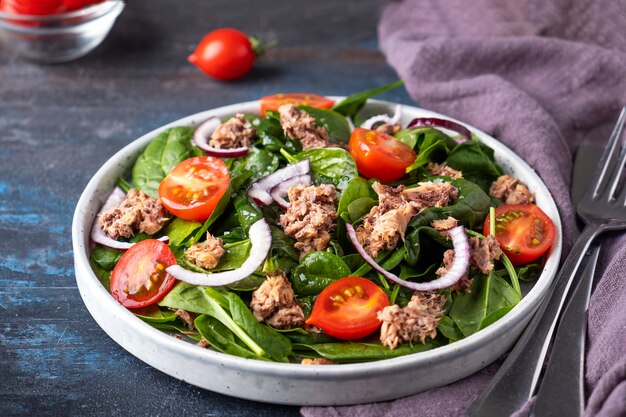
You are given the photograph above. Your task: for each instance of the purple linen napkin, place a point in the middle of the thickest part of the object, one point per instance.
(539, 76)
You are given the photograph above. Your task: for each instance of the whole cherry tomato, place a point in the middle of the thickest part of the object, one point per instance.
(224, 54)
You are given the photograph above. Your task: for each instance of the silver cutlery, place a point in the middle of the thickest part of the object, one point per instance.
(602, 208)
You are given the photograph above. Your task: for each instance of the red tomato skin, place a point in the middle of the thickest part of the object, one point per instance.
(33, 7)
(201, 209)
(72, 5)
(522, 255)
(224, 54)
(349, 317)
(133, 263)
(274, 101)
(378, 155)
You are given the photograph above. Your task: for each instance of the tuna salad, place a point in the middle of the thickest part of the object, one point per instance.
(314, 233)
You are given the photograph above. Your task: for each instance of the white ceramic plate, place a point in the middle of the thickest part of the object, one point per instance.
(293, 383)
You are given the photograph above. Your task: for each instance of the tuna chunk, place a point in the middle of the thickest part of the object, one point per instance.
(274, 302)
(462, 285)
(311, 216)
(386, 223)
(510, 190)
(445, 225)
(484, 252)
(298, 124)
(443, 170)
(206, 254)
(317, 361)
(417, 321)
(235, 133)
(138, 213)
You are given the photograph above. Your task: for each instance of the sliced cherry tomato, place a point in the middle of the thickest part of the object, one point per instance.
(224, 54)
(347, 309)
(193, 188)
(379, 155)
(139, 278)
(71, 5)
(524, 232)
(297, 99)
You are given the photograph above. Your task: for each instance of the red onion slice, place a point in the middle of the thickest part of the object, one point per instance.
(443, 123)
(279, 192)
(460, 263)
(383, 118)
(97, 234)
(261, 240)
(260, 190)
(203, 133)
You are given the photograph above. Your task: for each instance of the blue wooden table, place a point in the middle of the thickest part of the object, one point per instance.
(60, 123)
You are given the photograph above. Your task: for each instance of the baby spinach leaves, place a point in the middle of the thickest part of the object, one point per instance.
(361, 351)
(351, 105)
(328, 165)
(334, 123)
(316, 271)
(161, 155)
(477, 163)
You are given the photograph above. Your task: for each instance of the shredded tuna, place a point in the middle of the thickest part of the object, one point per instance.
(298, 124)
(443, 170)
(234, 133)
(206, 254)
(464, 283)
(484, 252)
(274, 302)
(386, 223)
(389, 129)
(445, 225)
(417, 321)
(317, 361)
(138, 213)
(311, 216)
(510, 190)
(203, 343)
(187, 317)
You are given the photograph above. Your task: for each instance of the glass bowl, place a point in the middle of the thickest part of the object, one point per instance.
(59, 37)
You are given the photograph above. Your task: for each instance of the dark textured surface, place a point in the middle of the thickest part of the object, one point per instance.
(59, 123)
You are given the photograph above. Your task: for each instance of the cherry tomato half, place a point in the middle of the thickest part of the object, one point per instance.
(71, 5)
(347, 309)
(524, 232)
(224, 54)
(273, 102)
(139, 278)
(193, 188)
(379, 155)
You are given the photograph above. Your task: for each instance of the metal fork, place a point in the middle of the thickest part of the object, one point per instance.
(602, 208)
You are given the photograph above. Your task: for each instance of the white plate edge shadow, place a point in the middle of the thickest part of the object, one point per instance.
(292, 383)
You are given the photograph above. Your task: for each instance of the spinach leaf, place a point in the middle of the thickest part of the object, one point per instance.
(449, 329)
(178, 230)
(299, 335)
(248, 213)
(432, 149)
(102, 274)
(260, 162)
(334, 123)
(221, 338)
(424, 242)
(360, 352)
(357, 188)
(208, 300)
(490, 297)
(161, 155)
(351, 105)
(153, 314)
(275, 345)
(477, 163)
(328, 165)
(529, 272)
(272, 137)
(316, 271)
(105, 257)
(470, 208)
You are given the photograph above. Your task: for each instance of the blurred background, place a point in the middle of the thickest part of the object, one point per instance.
(60, 122)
